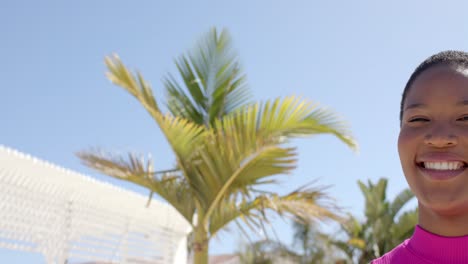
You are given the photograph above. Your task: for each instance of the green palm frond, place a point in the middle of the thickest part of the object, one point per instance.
(135, 85)
(310, 204)
(380, 189)
(242, 149)
(375, 198)
(384, 227)
(180, 132)
(214, 84)
(307, 203)
(304, 118)
(352, 226)
(179, 103)
(266, 162)
(268, 252)
(404, 226)
(230, 210)
(291, 117)
(176, 192)
(183, 136)
(130, 168)
(401, 200)
(170, 185)
(357, 242)
(376, 191)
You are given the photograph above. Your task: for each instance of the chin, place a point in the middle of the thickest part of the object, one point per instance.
(444, 207)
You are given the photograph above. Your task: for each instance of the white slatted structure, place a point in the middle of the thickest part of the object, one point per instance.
(72, 218)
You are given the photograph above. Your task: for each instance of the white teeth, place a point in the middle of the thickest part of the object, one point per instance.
(451, 165)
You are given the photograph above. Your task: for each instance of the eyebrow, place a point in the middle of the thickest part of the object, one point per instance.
(412, 106)
(418, 105)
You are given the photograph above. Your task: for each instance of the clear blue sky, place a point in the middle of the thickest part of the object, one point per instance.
(352, 56)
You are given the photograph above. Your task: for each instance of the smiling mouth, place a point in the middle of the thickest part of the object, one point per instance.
(442, 165)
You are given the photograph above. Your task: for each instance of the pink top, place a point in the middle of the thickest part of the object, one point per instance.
(424, 247)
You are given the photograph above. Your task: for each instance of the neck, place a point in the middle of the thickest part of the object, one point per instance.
(449, 224)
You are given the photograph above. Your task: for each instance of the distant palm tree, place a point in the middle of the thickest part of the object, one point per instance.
(267, 252)
(385, 225)
(310, 246)
(316, 246)
(225, 145)
(313, 243)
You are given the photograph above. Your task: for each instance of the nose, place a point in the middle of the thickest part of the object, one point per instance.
(441, 137)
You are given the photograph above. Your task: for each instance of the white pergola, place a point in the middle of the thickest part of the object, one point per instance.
(72, 218)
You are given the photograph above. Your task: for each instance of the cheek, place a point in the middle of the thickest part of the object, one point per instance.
(407, 142)
(407, 147)
(463, 134)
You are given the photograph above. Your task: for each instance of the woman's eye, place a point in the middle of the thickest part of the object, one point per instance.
(421, 119)
(463, 118)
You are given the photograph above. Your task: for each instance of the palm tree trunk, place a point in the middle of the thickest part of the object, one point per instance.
(200, 245)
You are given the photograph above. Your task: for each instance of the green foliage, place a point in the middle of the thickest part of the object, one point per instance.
(225, 146)
(315, 245)
(267, 252)
(310, 246)
(385, 226)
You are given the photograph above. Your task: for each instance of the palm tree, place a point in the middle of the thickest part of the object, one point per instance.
(310, 246)
(267, 252)
(317, 247)
(385, 226)
(313, 243)
(226, 147)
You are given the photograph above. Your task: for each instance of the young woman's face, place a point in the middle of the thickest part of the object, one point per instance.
(433, 141)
